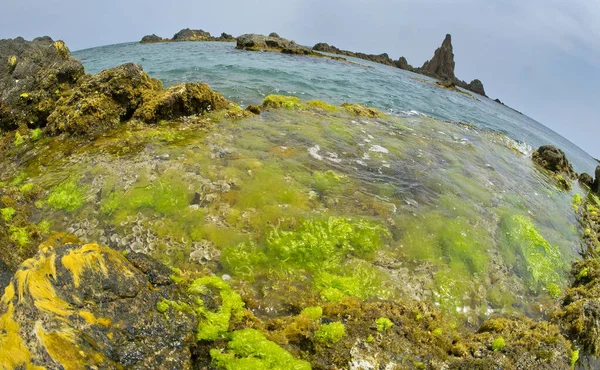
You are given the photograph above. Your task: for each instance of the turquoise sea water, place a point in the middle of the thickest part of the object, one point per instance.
(247, 77)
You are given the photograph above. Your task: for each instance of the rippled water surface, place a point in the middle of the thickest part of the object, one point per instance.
(247, 77)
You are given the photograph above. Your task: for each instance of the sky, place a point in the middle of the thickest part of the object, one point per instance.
(541, 57)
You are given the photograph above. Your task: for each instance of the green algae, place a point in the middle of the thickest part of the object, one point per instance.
(19, 140)
(214, 323)
(249, 349)
(36, 134)
(19, 235)
(282, 101)
(68, 195)
(314, 313)
(537, 261)
(498, 344)
(329, 334)
(384, 324)
(7, 213)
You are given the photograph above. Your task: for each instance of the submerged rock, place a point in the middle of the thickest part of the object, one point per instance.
(33, 75)
(86, 306)
(554, 160)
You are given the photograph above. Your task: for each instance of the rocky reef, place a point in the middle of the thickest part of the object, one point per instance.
(275, 43)
(43, 86)
(149, 227)
(188, 35)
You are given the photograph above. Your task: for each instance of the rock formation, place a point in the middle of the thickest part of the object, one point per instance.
(150, 39)
(187, 34)
(586, 179)
(596, 184)
(33, 74)
(255, 42)
(53, 91)
(442, 64)
(555, 161)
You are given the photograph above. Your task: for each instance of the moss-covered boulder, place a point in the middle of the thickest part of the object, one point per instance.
(102, 101)
(86, 306)
(179, 100)
(33, 75)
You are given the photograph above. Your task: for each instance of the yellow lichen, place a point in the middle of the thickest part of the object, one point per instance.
(12, 61)
(34, 278)
(61, 48)
(90, 256)
(91, 319)
(13, 351)
(63, 348)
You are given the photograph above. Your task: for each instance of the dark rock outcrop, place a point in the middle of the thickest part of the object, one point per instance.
(150, 39)
(477, 87)
(5, 275)
(596, 184)
(86, 306)
(255, 42)
(274, 34)
(188, 34)
(442, 64)
(191, 35)
(33, 74)
(586, 180)
(554, 160)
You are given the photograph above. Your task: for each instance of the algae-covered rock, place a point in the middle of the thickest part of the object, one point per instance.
(192, 35)
(586, 180)
(554, 160)
(33, 74)
(256, 42)
(179, 100)
(86, 306)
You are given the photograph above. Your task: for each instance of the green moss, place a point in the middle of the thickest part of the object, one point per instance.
(314, 313)
(574, 358)
(535, 260)
(19, 235)
(162, 306)
(498, 344)
(383, 324)
(18, 180)
(27, 188)
(576, 202)
(329, 334)
(7, 213)
(36, 134)
(214, 324)
(44, 227)
(318, 104)
(68, 195)
(328, 180)
(249, 349)
(281, 101)
(361, 110)
(19, 140)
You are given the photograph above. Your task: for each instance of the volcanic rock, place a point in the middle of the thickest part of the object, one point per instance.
(554, 160)
(442, 64)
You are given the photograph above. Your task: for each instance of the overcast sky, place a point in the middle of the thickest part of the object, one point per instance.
(541, 57)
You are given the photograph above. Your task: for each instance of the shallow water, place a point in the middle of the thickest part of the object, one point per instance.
(298, 204)
(247, 77)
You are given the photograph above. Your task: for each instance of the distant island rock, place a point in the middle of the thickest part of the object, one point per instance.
(275, 43)
(441, 66)
(187, 34)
